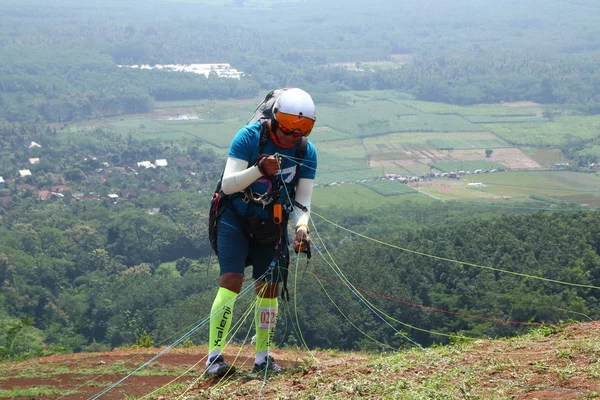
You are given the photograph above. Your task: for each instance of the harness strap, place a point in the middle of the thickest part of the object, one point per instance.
(300, 206)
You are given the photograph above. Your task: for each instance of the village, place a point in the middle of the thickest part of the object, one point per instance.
(144, 171)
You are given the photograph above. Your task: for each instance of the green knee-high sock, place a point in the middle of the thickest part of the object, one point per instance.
(221, 315)
(265, 317)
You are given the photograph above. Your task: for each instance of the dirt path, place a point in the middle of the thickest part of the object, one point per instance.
(563, 365)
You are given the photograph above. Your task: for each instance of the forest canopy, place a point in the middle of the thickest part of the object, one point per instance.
(60, 62)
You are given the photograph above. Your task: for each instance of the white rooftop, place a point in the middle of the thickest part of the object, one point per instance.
(146, 164)
(222, 70)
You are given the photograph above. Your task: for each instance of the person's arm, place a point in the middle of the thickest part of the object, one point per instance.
(303, 196)
(238, 176)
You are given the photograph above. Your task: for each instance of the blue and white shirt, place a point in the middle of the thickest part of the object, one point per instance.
(245, 146)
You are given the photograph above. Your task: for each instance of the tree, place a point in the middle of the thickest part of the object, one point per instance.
(20, 337)
(183, 265)
(488, 152)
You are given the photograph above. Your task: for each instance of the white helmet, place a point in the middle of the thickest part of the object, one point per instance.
(294, 111)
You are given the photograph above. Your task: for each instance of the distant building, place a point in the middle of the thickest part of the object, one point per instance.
(34, 144)
(1, 182)
(24, 173)
(34, 160)
(161, 162)
(146, 164)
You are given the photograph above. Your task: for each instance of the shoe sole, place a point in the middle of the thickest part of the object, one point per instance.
(221, 374)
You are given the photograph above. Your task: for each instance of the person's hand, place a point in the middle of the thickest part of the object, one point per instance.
(268, 166)
(302, 240)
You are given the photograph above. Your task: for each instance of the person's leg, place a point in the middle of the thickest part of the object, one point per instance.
(265, 318)
(233, 247)
(265, 315)
(221, 314)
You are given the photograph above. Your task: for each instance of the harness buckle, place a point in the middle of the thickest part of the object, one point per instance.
(264, 200)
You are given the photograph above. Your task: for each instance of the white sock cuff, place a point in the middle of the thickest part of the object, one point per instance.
(261, 357)
(211, 355)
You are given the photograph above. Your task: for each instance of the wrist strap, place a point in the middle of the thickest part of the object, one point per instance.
(303, 225)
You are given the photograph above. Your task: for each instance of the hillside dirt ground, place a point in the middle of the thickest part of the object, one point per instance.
(563, 365)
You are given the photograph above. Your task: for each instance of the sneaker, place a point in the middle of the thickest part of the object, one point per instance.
(268, 366)
(218, 368)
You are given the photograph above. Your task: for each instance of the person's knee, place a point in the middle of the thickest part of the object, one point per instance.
(232, 281)
(267, 290)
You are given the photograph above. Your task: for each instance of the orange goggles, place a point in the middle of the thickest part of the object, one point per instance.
(294, 125)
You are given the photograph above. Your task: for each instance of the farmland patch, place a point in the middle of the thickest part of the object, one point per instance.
(555, 184)
(364, 195)
(419, 150)
(491, 119)
(590, 151)
(321, 134)
(586, 200)
(511, 158)
(475, 110)
(552, 133)
(384, 117)
(545, 157)
(448, 143)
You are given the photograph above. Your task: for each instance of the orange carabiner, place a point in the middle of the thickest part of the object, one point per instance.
(277, 214)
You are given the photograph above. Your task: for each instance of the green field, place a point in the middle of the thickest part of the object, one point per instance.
(573, 187)
(485, 110)
(594, 150)
(384, 95)
(544, 156)
(363, 135)
(365, 195)
(551, 133)
(506, 189)
(491, 119)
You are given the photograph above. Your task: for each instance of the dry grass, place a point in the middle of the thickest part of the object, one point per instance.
(549, 363)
